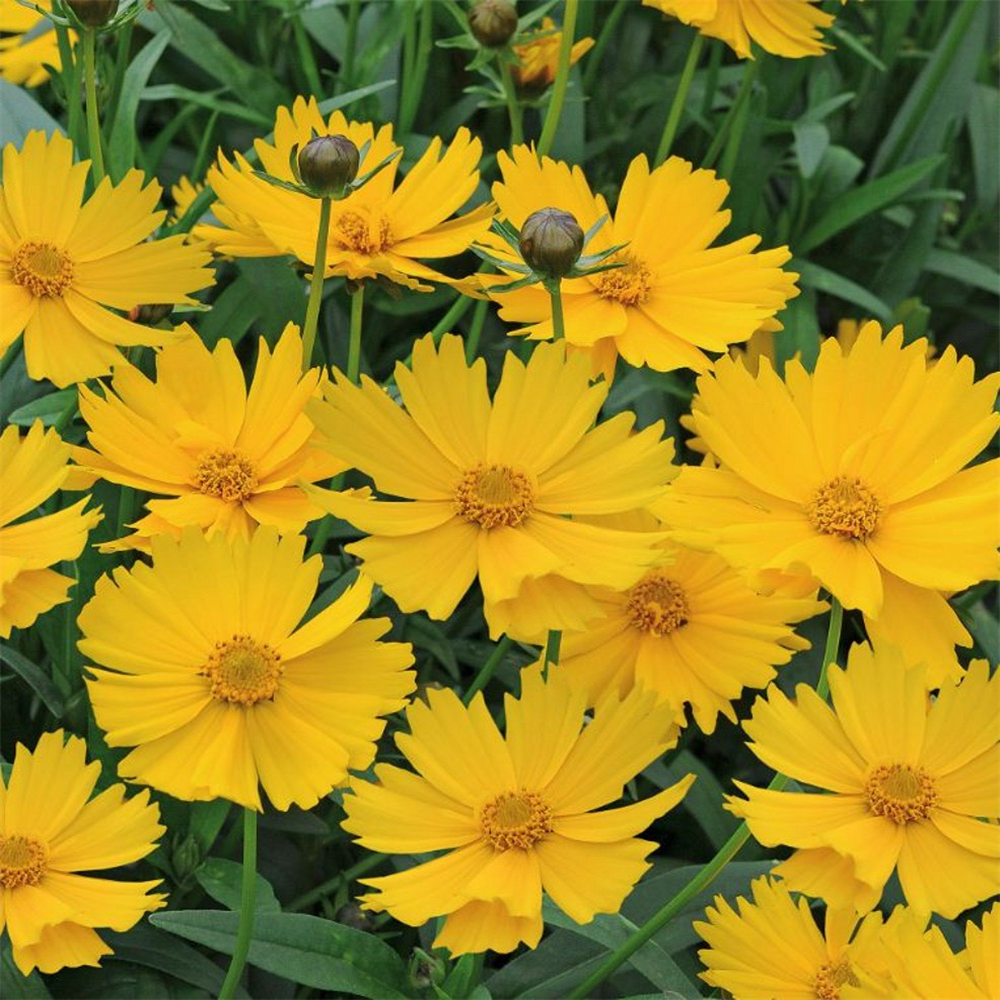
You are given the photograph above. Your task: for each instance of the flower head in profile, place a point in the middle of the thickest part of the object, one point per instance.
(33, 468)
(489, 487)
(675, 296)
(790, 28)
(537, 55)
(228, 457)
(29, 44)
(207, 672)
(515, 814)
(380, 230)
(51, 830)
(853, 474)
(908, 784)
(66, 264)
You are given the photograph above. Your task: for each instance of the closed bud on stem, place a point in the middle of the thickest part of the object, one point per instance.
(492, 23)
(93, 13)
(551, 242)
(328, 163)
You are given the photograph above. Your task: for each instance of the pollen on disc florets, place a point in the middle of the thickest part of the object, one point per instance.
(494, 496)
(658, 604)
(629, 285)
(515, 819)
(363, 234)
(42, 268)
(23, 861)
(831, 977)
(845, 507)
(226, 474)
(243, 671)
(900, 792)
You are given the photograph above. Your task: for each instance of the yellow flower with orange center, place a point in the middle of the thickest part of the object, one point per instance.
(30, 43)
(538, 57)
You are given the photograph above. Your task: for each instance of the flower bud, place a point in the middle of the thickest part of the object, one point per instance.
(150, 315)
(492, 23)
(328, 163)
(93, 13)
(551, 242)
(185, 856)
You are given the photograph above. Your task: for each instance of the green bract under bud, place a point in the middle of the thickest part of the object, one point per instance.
(492, 22)
(328, 163)
(93, 13)
(551, 242)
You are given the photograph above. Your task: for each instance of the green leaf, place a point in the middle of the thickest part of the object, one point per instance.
(984, 138)
(964, 269)
(811, 142)
(35, 678)
(233, 314)
(14, 985)
(703, 799)
(223, 880)
(209, 99)
(20, 114)
(206, 820)
(843, 288)
(48, 408)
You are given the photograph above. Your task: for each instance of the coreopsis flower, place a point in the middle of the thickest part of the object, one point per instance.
(49, 834)
(490, 488)
(538, 57)
(380, 229)
(184, 193)
(910, 784)
(854, 475)
(209, 676)
(771, 949)
(33, 468)
(692, 631)
(675, 296)
(515, 814)
(228, 457)
(30, 44)
(790, 28)
(66, 264)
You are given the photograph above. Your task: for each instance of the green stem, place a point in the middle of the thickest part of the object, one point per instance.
(722, 136)
(514, 110)
(93, 121)
(354, 345)
(314, 895)
(832, 645)
(415, 87)
(306, 57)
(475, 330)
(594, 58)
(562, 79)
(735, 139)
(552, 644)
(316, 286)
(247, 906)
(444, 325)
(711, 80)
(486, 670)
(680, 99)
(71, 84)
(350, 43)
(558, 326)
(409, 54)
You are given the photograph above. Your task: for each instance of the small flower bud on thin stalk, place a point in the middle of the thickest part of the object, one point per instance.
(551, 242)
(93, 13)
(493, 23)
(328, 164)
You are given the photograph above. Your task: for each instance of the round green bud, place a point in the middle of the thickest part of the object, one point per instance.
(93, 13)
(492, 23)
(328, 163)
(551, 242)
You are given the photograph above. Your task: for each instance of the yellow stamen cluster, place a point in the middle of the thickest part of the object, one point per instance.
(902, 793)
(628, 285)
(42, 268)
(226, 474)
(831, 977)
(243, 671)
(23, 861)
(363, 234)
(515, 819)
(845, 507)
(494, 496)
(657, 604)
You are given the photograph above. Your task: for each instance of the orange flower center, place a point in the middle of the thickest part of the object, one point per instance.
(243, 671)
(226, 474)
(831, 976)
(903, 793)
(23, 861)
(42, 268)
(628, 285)
(845, 507)
(494, 496)
(657, 604)
(363, 233)
(515, 819)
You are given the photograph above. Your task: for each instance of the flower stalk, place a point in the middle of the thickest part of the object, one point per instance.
(316, 285)
(561, 81)
(93, 120)
(248, 894)
(680, 99)
(354, 344)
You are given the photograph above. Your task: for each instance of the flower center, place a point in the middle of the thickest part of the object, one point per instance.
(226, 474)
(243, 671)
(845, 507)
(42, 268)
(22, 861)
(628, 285)
(830, 977)
(657, 604)
(515, 819)
(494, 496)
(902, 793)
(364, 234)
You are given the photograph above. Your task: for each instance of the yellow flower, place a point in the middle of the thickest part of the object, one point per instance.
(691, 631)
(374, 231)
(913, 782)
(215, 686)
(791, 28)
(49, 832)
(33, 468)
(771, 949)
(515, 815)
(676, 296)
(538, 57)
(853, 475)
(30, 43)
(230, 458)
(492, 486)
(61, 264)
(184, 193)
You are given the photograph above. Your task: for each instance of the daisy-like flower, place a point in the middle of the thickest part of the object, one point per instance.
(853, 475)
(790, 28)
(49, 832)
(692, 631)
(538, 57)
(913, 784)
(515, 815)
(33, 468)
(65, 265)
(771, 949)
(675, 296)
(490, 486)
(379, 229)
(29, 45)
(212, 681)
(230, 458)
